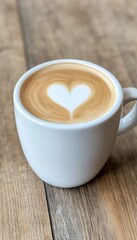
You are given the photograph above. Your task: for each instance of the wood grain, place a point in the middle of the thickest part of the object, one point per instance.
(23, 207)
(103, 32)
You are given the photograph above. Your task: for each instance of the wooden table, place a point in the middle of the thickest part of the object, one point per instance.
(32, 32)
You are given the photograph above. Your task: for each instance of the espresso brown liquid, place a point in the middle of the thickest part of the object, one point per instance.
(34, 93)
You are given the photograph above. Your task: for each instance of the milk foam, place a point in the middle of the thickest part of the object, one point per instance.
(68, 93)
(69, 98)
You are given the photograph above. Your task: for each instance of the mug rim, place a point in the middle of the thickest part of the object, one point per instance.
(18, 104)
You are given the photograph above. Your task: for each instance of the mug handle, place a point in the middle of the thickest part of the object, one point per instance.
(130, 120)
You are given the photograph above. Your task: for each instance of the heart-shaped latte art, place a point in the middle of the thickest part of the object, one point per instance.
(69, 99)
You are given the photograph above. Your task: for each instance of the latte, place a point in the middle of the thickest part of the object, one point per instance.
(68, 93)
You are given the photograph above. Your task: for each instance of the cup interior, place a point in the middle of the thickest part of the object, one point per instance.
(118, 102)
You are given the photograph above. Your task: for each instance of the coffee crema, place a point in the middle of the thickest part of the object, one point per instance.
(68, 93)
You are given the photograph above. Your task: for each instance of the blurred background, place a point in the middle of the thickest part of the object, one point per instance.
(103, 32)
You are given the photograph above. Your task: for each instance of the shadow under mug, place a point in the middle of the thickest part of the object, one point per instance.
(69, 155)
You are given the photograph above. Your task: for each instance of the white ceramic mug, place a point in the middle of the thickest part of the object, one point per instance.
(69, 155)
